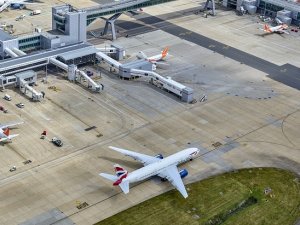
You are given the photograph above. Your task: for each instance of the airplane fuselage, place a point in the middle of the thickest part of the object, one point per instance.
(154, 58)
(277, 29)
(4, 140)
(155, 168)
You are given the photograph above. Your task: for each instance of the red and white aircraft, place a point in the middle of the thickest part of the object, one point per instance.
(166, 168)
(156, 60)
(280, 29)
(4, 132)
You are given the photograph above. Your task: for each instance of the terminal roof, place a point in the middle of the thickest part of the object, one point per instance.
(5, 36)
(78, 53)
(22, 60)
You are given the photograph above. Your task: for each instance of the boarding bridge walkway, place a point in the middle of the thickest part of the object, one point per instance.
(36, 96)
(118, 7)
(14, 52)
(76, 74)
(9, 52)
(103, 57)
(108, 50)
(18, 52)
(59, 64)
(170, 85)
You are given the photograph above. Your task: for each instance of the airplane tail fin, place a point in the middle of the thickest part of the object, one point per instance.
(121, 174)
(6, 132)
(164, 53)
(266, 28)
(120, 171)
(141, 55)
(5, 136)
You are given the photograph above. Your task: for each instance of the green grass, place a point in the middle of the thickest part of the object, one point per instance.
(216, 196)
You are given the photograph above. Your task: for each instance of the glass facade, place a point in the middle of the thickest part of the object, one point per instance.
(232, 4)
(30, 43)
(269, 9)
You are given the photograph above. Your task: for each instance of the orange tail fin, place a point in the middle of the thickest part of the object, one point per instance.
(6, 132)
(267, 28)
(164, 52)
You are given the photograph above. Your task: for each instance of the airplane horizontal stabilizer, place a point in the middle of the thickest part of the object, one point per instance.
(124, 185)
(109, 176)
(12, 136)
(9, 125)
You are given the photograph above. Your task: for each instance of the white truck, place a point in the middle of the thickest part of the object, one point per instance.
(36, 12)
(7, 97)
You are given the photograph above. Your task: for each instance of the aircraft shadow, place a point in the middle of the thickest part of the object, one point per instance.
(122, 162)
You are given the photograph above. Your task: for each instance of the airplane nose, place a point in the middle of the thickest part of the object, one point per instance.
(195, 152)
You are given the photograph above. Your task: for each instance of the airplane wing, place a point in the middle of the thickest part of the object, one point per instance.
(284, 31)
(8, 125)
(2, 135)
(8, 3)
(4, 6)
(171, 173)
(145, 159)
(22, 2)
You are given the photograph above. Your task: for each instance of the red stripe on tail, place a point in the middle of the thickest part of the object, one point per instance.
(6, 132)
(117, 168)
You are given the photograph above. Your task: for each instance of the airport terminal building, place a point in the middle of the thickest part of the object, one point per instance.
(287, 11)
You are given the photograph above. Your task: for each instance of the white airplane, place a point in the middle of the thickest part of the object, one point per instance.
(4, 132)
(6, 3)
(280, 29)
(156, 59)
(166, 168)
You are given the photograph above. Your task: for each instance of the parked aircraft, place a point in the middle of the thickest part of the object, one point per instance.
(6, 3)
(166, 168)
(156, 60)
(280, 29)
(4, 131)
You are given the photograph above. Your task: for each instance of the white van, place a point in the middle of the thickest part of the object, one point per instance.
(7, 97)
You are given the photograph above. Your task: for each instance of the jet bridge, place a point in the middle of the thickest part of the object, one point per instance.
(91, 83)
(14, 52)
(24, 80)
(59, 64)
(76, 74)
(116, 9)
(18, 52)
(103, 57)
(9, 52)
(36, 96)
(185, 93)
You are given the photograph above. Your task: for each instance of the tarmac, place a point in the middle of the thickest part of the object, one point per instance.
(249, 115)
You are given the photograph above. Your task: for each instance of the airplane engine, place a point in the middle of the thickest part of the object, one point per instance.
(183, 173)
(17, 6)
(160, 156)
